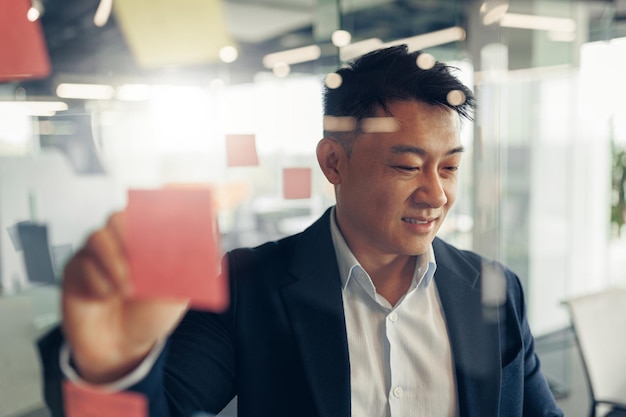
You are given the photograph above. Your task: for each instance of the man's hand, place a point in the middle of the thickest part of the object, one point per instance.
(109, 332)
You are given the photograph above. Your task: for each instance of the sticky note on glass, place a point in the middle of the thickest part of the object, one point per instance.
(85, 402)
(172, 245)
(165, 32)
(296, 183)
(22, 46)
(241, 150)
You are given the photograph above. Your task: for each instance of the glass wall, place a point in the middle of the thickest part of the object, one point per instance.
(542, 186)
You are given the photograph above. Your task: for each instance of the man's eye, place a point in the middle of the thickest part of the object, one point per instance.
(407, 168)
(451, 168)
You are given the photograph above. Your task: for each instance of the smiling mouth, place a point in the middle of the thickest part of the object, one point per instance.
(416, 221)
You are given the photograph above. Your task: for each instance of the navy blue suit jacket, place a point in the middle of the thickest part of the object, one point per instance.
(282, 347)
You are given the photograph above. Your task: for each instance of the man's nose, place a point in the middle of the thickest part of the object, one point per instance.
(430, 190)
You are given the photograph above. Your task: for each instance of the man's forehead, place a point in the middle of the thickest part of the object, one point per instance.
(421, 151)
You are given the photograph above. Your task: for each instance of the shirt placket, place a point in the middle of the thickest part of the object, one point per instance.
(396, 387)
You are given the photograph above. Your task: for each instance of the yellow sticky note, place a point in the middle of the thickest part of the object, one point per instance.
(173, 32)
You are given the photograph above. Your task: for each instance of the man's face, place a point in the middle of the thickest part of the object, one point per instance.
(395, 189)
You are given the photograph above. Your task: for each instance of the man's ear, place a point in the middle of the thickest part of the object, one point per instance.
(330, 156)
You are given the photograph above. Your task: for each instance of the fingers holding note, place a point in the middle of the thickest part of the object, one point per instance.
(134, 278)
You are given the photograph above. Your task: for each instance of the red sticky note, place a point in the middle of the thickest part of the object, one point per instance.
(296, 183)
(86, 402)
(22, 47)
(241, 150)
(172, 245)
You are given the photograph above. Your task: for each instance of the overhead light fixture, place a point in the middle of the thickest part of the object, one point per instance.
(431, 39)
(85, 91)
(35, 108)
(33, 14)
(281, 69)
(292, 56)
(35, 11)
(533, 22)
(133, 92)
(103, 13)
(228, 54)
(493, 10)
(556, 36)
(341, 38)
(356, 49)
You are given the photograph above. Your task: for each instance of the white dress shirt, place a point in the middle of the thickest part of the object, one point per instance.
(400, 357)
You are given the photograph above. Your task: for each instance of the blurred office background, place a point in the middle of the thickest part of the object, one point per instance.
(98, 97)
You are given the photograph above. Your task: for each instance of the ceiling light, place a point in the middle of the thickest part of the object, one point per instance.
(356, 49)
(428, 40)
(425, 61)
(333, 80)
(35, 108)
(556, 36)
(340, 123)
(33, 14)
(379, 125)
(103, 13)
(341, 38)
(292, 56)
(456, 97)
(493, 10)
(133, 92)
(526, 21)
(281, 69)
(35, 11)
(228, 54)
(85, 91)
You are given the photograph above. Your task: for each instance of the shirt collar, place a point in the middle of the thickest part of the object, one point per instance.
(425, 265)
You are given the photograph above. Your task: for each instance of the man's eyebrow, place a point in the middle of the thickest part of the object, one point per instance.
(421, 151)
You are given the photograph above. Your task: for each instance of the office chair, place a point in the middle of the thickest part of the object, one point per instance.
(599, 323)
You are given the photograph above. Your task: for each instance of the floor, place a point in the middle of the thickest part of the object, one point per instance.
(21, 322)
(20, 389)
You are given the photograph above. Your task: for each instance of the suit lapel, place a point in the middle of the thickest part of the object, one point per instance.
(315, 306)
(474, 336)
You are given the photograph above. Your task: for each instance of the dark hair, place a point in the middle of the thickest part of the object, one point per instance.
(390, 74)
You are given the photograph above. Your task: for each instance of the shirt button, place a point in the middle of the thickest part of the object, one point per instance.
(393, 316)
(397, 392)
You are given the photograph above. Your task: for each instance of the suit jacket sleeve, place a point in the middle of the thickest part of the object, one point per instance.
(195, 372)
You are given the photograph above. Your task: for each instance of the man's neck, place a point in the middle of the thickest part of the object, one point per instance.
(393, 279)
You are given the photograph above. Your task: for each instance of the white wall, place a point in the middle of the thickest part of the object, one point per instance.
(43, 188)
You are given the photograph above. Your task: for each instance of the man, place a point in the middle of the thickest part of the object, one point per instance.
(365, 313)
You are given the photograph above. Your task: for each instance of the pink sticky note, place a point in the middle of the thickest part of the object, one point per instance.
(85, 402)
(172, 245)
(241, 150)
(22, 45)
(296, 183)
